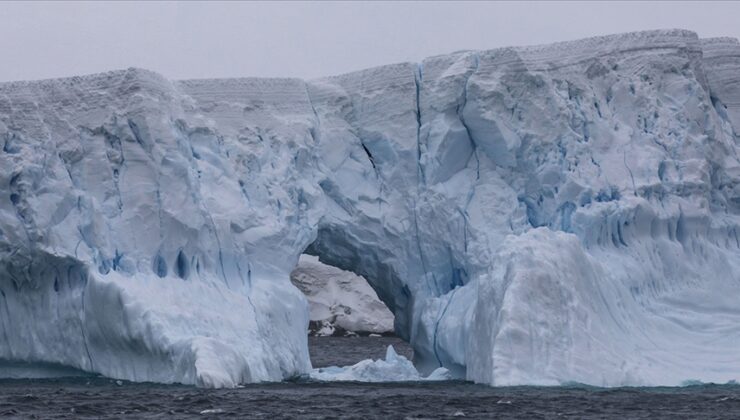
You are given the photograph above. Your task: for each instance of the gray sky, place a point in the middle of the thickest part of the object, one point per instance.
(196, 40)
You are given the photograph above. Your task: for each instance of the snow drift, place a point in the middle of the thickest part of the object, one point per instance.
(532, 215)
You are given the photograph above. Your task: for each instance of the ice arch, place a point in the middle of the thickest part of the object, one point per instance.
(337, 250)
(531, 215)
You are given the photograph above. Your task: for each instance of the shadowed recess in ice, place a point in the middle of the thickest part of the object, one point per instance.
(533, 215)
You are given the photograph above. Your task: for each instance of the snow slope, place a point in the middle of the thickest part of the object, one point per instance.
(339, 301)
(533, 215)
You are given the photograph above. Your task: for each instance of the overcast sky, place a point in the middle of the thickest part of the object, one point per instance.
(196, 40)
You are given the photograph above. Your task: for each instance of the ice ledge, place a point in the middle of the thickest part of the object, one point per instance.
(723, 40)
(108, 77)
(720, 48)
(120, 85)
(611, 44)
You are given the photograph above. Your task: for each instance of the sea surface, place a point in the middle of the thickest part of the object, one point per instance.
(95, 397)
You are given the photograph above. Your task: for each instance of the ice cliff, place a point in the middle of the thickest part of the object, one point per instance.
(537, 215)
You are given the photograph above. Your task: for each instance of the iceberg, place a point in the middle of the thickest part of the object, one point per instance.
(395, 368)
(531, 215)
(339, 301)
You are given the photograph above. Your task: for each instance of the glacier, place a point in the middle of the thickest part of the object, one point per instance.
(531, 215)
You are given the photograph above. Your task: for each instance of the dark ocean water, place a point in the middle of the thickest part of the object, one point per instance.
(88, 397)
(344, 351)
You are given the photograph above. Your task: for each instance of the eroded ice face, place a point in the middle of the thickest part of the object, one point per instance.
(529, 215)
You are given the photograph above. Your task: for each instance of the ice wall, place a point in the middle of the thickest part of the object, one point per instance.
(531, 215)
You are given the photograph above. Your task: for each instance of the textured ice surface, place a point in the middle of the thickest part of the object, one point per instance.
(533, 215)
(339, 301)
(395, 368)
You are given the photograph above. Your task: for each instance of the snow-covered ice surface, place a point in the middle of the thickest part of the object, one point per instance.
(394, 368)
(339, 301)
(539, 215)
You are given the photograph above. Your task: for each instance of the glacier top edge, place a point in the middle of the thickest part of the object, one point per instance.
(130, 72)
(558, 51)
(728, 40)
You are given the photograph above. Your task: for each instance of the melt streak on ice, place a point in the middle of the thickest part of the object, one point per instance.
(539, 215)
